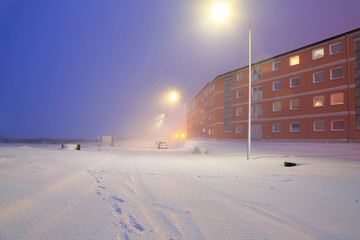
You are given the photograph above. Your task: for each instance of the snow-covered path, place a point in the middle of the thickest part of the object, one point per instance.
(135, 191)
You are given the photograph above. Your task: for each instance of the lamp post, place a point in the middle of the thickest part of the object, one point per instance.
(174, 96)
(220, 12)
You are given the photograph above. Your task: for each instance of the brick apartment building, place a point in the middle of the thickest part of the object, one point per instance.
(312, 92)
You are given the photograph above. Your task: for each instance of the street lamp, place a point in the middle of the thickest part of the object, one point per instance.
(174, 96)
(220, 12)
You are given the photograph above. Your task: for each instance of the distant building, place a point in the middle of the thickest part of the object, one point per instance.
(312, 92)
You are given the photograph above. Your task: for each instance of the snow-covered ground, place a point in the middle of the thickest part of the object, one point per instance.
(135, 191)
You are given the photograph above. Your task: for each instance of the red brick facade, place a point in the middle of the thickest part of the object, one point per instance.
(309, 93)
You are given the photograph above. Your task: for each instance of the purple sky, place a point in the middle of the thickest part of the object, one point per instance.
(76, 69)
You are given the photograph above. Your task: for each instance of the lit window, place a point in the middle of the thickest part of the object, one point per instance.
(335, 48)
(337, 98)
(295, 104)
(295, 127)
(319, 126)
(239, 76)
(336, 73)
(294, 60)
(239, 129)
(239, 111)
(337, 125)
(277, 86)
(277, 127)
(318, 77)
(239, 93)
(318, 53)
(319, 101)
(276, 106)
(295, 82)
(209, 131)
(276, 65)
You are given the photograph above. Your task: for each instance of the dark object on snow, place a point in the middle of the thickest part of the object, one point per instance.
(200, 150)
(70, 146)
(162, 145)
(289, 164)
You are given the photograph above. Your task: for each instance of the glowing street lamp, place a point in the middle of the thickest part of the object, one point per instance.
(174, 96)
(220, 12)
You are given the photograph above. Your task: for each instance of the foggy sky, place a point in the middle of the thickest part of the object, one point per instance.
(76, 69)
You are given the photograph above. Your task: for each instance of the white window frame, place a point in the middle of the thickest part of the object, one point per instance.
(333, 53)
(291, 107)
(237, 93)
(274, 86)
(239, 129)
(293, 86)
(239, 76)
(314, 57)
(291, 127)
(331, 99)
(274, 110)
(331, 73)
(317, 73)
(317, 97)
(239, 113)
(273, 128)
(274, 65)
(337, 130)
(319, 130)
(291, 63)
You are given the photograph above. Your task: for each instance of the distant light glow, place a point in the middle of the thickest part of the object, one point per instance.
(183, 135)
(176, 135)
(220, 11)
(173, 96)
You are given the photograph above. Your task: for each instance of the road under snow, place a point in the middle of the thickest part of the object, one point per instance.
(135, 191)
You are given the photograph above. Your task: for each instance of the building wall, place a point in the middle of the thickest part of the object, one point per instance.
(317, 96)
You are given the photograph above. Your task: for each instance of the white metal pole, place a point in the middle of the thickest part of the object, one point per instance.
(249, 115)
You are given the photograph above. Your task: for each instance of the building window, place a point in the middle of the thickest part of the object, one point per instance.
(336, 73)
(209, 131)
(318, 53)
(319, 126)
(295, 127)
(256, 112)
(213, 101)
(337, 98)
(335, 48)
(277, 86)
(319, 77)
(213, 86)
(295, 104)
(276, 106)
(277, 127)
(319, 101)
(256, 74)
(239, 94)
(294, 82)
(337, 125)
(294, 60)
(212, 116)
(239, 129)
(276, 65)
(239, 76)
(239, 111)
(257, 93)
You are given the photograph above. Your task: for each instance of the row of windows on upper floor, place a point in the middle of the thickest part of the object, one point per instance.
(293, 60)
(318, 101)
(318, 126)
(318, 77)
